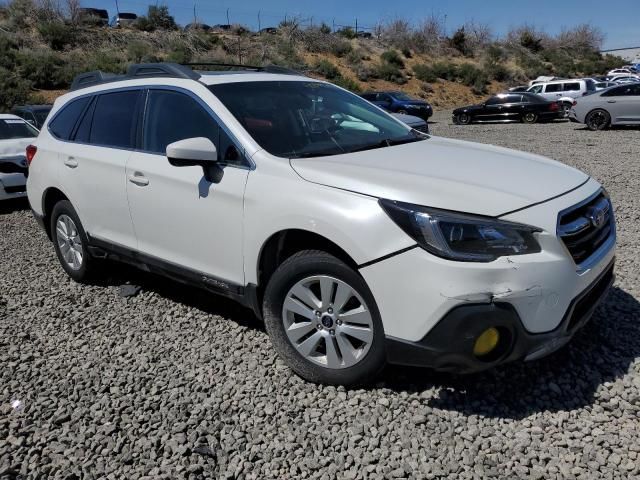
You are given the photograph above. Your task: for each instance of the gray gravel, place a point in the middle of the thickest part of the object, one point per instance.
(174, 383)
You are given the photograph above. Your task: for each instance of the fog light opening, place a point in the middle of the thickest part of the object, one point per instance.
(492, 344)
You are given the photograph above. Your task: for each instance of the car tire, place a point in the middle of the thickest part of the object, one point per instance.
(463, 119)
(565, 109)
(70, 243)
(530, 117)
(598, 120)
(312, 339)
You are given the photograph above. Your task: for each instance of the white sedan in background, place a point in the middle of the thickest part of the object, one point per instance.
(15, 136)
(614, 106)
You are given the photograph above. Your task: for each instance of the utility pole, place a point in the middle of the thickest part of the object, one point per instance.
(333, 20)
(356, 27)
(259, 25)
(228, 22)
(195, 17)
(117, 9)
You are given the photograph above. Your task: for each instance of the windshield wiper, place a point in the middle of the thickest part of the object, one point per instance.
(387, 142)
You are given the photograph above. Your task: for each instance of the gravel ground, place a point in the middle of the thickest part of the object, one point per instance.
(174, 383)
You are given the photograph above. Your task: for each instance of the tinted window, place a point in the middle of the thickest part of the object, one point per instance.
(553, 87)
(624, 91)
(369, 96)
(296, 119)
(572, 87)
(615, 92)
(64, 121)
(497, 100)
(113, 119)
(13, 128)
(83, 131)
(173, 116)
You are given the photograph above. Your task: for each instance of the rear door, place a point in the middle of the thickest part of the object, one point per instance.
(94, 159)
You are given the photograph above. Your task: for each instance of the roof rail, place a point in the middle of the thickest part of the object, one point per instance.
(230, 66)
(141, 70)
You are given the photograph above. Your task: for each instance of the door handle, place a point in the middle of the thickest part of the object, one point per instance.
(139, 179)
(71, 162)
(611, 101)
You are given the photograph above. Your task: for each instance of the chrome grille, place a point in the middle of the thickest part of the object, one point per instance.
(586, 227)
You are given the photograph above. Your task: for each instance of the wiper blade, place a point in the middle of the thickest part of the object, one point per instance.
(387, 142)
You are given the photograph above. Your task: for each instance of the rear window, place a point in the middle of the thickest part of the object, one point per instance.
(11, 128)
(65, 120)
(113, 119)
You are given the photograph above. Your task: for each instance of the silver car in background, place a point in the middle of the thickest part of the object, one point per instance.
(614, 106)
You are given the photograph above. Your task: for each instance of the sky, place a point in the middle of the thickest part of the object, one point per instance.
(618, 19)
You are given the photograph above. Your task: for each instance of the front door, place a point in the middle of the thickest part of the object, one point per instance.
(178, 216)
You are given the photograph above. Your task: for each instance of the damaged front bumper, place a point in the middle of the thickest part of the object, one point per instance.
(449, 345)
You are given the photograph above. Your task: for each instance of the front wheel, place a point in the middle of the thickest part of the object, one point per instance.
(598, 120)
(529, 117)
(463, 119)
(323, 320)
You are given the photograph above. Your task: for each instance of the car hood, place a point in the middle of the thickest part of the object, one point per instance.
(14, 148)
(447, 174)
(409, 119)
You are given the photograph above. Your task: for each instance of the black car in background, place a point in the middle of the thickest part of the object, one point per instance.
(506, 107)
(400, 102)
(34, 114)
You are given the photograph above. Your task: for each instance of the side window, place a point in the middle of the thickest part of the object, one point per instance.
(535, 89)
(553, 87)
(66, 119)
(572, 87)
(114, 119)
(614, 92)
(173, 116)
(83, 132)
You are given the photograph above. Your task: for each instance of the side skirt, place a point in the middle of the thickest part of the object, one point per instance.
(245, 295)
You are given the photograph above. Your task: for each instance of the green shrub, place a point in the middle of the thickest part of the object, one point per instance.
(324, 28)
(44, 69)
(327, 69)
(8, 52)
(406, 52)
(56, 34)
(340, 47)
(445, 70)
(137, 50)
(180, 53)
(347, 83)
(347, 32)
(14, 89)
(425, 73)
(392, 57)
(391, 73)
(471, 75)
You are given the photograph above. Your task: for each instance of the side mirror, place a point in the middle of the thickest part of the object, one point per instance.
(196, 152)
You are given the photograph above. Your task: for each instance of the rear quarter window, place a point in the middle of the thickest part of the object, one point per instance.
(65, 120)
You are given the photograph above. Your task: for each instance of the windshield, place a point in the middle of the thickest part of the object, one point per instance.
(11, 128)
(401, 96)
(296, 119)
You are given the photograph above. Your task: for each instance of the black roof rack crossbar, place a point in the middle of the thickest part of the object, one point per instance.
(266, 68)
(141, 70)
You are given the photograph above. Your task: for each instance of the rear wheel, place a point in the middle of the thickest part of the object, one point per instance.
(70, 243)
(323, 320)
(598, 120)
(530, 117)
(564, 109)
(463, 119)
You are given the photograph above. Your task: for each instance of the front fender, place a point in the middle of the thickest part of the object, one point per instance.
(277, 199)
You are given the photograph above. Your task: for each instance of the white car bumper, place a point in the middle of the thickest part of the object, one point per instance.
(417, 292)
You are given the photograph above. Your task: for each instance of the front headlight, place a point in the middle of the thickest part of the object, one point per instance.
(462, 237)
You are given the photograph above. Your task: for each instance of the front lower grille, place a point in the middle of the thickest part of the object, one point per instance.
(585, 227)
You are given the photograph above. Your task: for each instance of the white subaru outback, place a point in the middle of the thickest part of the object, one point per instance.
(358, 240)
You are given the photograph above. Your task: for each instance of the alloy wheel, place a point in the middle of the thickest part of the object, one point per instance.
(328, 322)
(69, 242)
(598, 120)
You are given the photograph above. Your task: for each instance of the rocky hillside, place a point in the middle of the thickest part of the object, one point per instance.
(42, 48)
